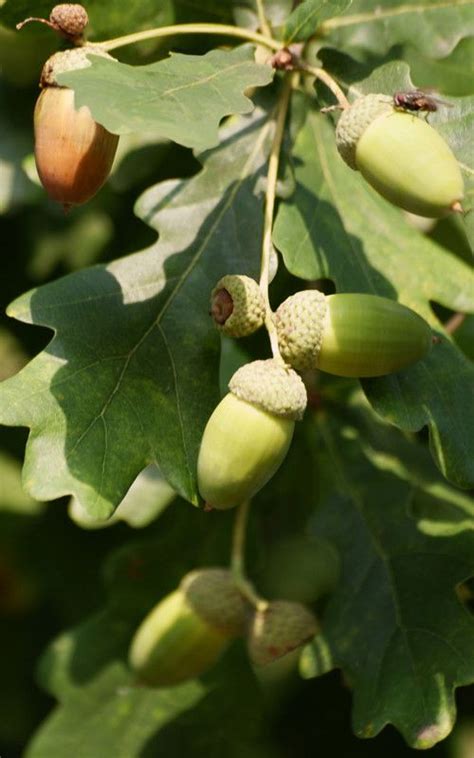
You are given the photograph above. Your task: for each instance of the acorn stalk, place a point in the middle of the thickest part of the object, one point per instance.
(249, 433)
(350, 334)
(401, 156)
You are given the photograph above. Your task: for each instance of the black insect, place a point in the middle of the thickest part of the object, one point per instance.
(417, 100)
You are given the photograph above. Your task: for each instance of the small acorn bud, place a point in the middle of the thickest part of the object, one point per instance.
(350, 334)
(237, 305)
(280, 628)
(249, 433)
(70, 19)
(186, 633)
(401, 156)
(73, 153)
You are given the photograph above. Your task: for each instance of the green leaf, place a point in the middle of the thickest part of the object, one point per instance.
(434, 27)
(451, 75)
(394, 624)
(183, 97)
(310, 14)
(102, 403)
(107, 18)
(336, 226)
(148, 496)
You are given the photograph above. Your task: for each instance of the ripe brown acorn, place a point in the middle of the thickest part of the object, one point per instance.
(73, 153)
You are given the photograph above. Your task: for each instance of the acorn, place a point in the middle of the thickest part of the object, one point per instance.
(73, 153)
(249, 433)
(187, 632)
(401, 156)
(237, 305)
(278, 629)
(350, 334)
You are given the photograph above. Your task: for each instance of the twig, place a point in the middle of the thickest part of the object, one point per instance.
(237, 564)
(454, 322)
(327, 79)
(224, 30)
(272, 177)
(262, 19)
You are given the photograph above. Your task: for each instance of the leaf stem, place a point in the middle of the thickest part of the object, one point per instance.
(262, 19)
(237, 564)
(327, 79)
(272, 178)
(167, 31)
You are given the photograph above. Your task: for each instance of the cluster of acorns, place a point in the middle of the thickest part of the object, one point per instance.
(250, 431)
(353, 335)
(187, 632)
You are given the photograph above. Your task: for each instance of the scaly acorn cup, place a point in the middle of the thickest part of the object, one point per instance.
(401, 156)
(350, 334)
(237, 305)
(249, 433)
(73, 153)
(186, 633)
(280, 628)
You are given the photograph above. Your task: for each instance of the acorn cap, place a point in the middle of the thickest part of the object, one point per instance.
(355, 120)
(70, 18)
(212, 593)
(300, 325)
(279, 629)
(271, 386)
(237, 305)
(69, 60)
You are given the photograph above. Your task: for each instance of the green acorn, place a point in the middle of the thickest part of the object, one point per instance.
(249, 434)
(401, 156)
(237, 305)
(350, 334)
(186, 633)
(280, 628)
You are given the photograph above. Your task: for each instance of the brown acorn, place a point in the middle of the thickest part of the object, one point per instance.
(73, 153)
